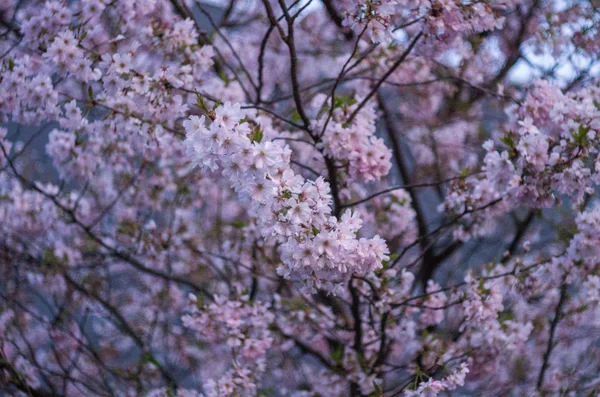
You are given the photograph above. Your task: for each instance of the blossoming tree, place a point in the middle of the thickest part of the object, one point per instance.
(299, 198)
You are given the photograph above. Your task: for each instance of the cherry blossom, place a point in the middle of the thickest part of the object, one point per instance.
(299, 198)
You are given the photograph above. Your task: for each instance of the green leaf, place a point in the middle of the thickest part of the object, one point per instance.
(223, 76)
(256, 135)
(580, 137)
(83, 36)
(268, 392)
(296, 116)
(238, 224)
(201, 103)
(481, 284)
(378, 390)
(393, 258)
(337, 354)
(343, 100)
(398, 201)
(464, 173)
(128, 228)
(508, 141)
(49, 257)
(505, 316)
(149, 358)
(200, 299)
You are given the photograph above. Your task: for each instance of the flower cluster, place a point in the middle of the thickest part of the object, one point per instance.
(549, 154)
(353, 144)
(483, 301)
(553, 136)
(244, 326)
(435, 387)
(392, 216)
(446, 19)
(27, 97)
(68, 57)
(315, 245)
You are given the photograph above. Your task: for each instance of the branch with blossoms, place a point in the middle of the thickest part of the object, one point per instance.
(299, 198)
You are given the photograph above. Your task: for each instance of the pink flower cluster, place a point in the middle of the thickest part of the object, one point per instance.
(432, 388)
(447, 19)
(315, 245)
(244, 326)
(553, 136)
(366, 156)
